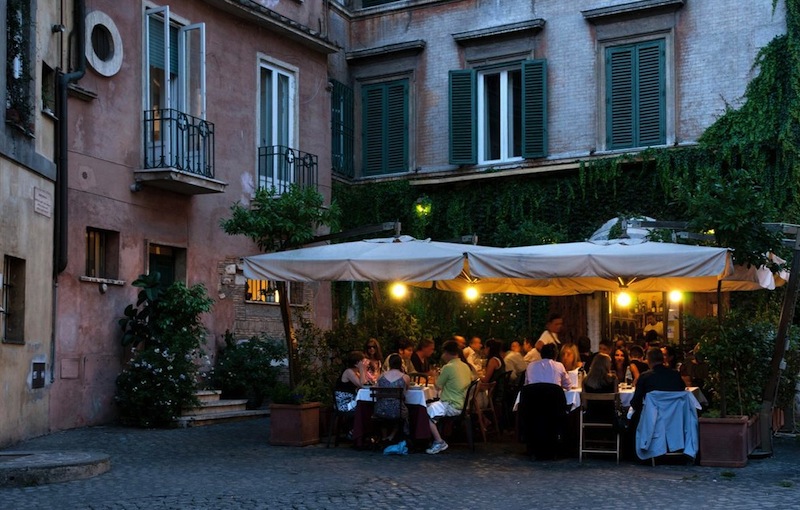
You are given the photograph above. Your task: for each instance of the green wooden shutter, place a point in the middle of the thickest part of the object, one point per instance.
(373, 128)
(463, 117)
(385, 128)
(534, 105)
(396, 127)
(635, 95)
(619, 97)
(156, 41)
(651, 94)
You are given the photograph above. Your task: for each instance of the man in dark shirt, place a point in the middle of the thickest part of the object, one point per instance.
(421, 357)
(659, 377)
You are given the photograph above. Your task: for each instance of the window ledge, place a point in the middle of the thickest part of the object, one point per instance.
(387, 52)
(484, 35)
(250, 302)
(631, 9)
(107, 281)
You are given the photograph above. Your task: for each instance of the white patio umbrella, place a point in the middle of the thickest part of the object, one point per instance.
(547, 270)
(403, 259)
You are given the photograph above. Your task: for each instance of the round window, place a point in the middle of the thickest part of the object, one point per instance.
(103, 44)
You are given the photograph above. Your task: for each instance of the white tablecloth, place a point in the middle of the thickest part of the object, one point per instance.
(625, 397)
(416, 395)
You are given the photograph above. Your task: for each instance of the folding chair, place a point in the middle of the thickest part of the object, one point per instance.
(464, 418)
(609, 444)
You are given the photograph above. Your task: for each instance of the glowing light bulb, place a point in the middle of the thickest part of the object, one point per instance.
(399, 290)
(675, 296)
(624, 299)
(471, 293)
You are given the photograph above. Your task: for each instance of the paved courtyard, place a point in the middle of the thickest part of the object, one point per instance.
(232, 466)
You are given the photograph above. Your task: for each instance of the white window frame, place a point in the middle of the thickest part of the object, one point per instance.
(504, 119)
(181, 84)
(292, 73)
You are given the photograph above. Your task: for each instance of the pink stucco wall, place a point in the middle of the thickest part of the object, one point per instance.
(105, 148)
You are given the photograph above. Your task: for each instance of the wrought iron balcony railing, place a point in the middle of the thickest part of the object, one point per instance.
(280, 166)
(173, 139)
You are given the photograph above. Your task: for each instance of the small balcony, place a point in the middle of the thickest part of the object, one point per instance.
(280, 166)
(178, 153)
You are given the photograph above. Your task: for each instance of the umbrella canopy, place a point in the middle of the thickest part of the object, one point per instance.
(402, 259)
(546, 270)
(583, 268)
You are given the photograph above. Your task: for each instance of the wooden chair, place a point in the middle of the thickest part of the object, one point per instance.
(418, 378)
(464, 418)
(483, 407)
(337, 418)
(378, 394)
(610, 444)
(542, 418)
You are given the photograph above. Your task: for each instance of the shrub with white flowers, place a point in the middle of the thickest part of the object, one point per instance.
(165, 335)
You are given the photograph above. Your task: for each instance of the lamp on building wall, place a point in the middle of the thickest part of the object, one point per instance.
(423, 206)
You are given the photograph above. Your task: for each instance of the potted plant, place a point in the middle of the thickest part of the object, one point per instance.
(737, 350)
(248, 368)
(294, 416)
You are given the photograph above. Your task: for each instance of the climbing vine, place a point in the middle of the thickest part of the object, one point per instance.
(744, 171)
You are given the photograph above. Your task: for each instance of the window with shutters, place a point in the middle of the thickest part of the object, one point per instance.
(175, 64)
(635, 95)
(277, 95)
(12, 300)
(385, 127)
(498, 115)
(102, 253)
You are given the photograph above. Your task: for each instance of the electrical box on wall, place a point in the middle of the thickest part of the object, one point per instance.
(37, 379)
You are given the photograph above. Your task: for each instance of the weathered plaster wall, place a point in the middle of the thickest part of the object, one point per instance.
(106, 149)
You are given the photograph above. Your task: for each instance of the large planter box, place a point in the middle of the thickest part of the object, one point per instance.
(726, 442)
(294, 424)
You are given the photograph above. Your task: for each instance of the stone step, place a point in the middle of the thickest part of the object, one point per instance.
(216, 407)
(212, 418)
(207, 395)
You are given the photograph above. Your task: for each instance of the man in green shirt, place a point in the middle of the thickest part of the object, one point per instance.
(452, 384)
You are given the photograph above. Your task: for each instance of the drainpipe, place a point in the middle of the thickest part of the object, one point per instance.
(60, 231)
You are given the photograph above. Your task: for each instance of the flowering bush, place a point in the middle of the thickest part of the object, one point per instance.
(154, 387)
(249, 368)
(165, 334)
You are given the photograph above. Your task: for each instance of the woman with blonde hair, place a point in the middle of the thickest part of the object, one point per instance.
(570, 357)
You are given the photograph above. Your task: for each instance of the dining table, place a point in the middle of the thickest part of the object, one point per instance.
(573, 396)
(416, 399)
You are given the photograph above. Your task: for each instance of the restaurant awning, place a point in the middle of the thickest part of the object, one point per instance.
(637, 265)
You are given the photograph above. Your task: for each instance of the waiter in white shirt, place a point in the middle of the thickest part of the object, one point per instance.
(550, 335)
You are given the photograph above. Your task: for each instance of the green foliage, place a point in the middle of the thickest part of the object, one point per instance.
(277, 222)
(166, 336)
(738, 351)
(19, 103)
(248, 369)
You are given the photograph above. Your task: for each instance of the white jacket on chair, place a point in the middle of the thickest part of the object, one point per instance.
(668, 423)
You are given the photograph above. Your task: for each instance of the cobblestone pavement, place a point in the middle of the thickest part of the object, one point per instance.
(232, 466)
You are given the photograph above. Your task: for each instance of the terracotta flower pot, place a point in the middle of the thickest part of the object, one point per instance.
(294, 424)
(726, 442)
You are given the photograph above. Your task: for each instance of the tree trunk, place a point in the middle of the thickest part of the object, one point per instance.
(779, 349)
(288, 330)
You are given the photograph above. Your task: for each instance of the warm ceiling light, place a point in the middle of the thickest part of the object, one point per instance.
(675, 296)
(471, 293)
(399, 290)
(624, 299)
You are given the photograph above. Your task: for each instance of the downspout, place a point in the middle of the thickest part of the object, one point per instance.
(60, 231)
